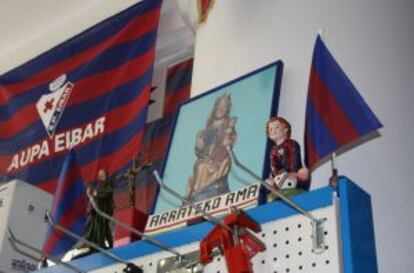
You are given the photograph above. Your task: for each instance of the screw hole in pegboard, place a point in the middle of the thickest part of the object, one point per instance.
(274, 245)
(327, 262)
(150, 264)
(263, 261)
(325, 233)
(299, 225)
(287, 229)
(263, 235)
(287, 242)
(274, 231)
(300, 253)
(287, 256)
(300, 267)
(287, 270)
(299, 239)
(313, 264)
(275, 259)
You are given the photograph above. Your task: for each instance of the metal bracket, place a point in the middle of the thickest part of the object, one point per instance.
(318, 236)
(13, 241)
(187, 263)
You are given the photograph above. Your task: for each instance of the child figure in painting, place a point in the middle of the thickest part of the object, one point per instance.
(287, 173)
(213, 163)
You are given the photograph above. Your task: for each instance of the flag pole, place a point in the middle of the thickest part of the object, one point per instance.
(333, 180)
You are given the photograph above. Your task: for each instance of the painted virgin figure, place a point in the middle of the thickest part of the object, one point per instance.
(212, 166)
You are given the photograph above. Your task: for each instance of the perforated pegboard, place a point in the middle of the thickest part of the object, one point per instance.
(289, 248)
(286, 233)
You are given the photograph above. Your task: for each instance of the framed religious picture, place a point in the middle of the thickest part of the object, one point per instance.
(198, 165)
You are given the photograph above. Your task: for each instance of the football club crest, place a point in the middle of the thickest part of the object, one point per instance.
(51, 106)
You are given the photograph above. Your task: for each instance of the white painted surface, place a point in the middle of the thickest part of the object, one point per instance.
(23, 208)
(373, 40)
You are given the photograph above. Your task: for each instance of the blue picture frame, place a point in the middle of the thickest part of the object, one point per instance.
(254, 99)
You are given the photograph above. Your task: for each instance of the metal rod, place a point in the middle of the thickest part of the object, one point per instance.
(201, 211)
(317, 228)
(137, 232)
(267, 186)
(333, 161)
(89, 243)
(13, 240)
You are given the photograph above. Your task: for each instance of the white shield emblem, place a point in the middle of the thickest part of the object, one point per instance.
(51, 106)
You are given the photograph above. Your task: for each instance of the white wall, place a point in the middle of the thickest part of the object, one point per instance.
(373, 40)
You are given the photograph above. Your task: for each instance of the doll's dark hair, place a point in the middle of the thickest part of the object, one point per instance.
(282, 121)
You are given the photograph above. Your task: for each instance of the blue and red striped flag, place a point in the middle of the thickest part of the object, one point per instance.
(336, 114)
(178, 85)
(90, 93)
(68, 208)
(157, 133)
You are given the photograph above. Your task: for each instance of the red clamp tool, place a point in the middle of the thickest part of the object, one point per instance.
(237, 243)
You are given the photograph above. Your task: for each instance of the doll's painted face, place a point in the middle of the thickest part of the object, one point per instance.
(277, 131)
